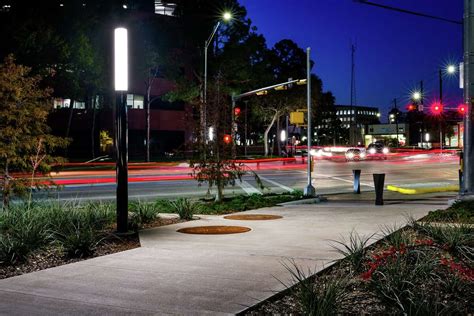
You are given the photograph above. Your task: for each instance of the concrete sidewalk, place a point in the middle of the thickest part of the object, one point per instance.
(181, 274)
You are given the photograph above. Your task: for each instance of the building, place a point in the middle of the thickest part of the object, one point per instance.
(88, 118)
(387, 133)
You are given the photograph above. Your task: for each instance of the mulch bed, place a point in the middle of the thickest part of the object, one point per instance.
(53, 256)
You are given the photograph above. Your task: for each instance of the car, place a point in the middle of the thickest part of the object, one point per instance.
(355, 154)
(377, 150)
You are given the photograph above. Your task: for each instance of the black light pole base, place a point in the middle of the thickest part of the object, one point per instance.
(121, 143)
(379, 179)
(356, 174)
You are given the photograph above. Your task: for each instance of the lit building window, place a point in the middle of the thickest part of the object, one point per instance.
(164, 8)
(135, 101)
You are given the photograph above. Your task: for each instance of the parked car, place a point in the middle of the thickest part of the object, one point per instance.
(377, 150)
(355, 154)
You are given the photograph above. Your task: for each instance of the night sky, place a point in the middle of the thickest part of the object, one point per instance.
(394, 50)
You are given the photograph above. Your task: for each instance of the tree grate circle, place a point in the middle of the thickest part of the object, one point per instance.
(214, 230)
(253, 217)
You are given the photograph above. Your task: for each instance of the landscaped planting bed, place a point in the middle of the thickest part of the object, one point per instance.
(421, 269)
(36, 236)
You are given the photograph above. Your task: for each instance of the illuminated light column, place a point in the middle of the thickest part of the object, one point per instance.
(121, 132)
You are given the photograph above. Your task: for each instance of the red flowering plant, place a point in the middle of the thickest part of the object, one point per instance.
(381, 258)
(458, 268)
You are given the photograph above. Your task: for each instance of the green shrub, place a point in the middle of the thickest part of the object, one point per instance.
(142, 213)
(354, 249)
(184, 208)
(398, 283)
(317, 299)
(453, 237)
(395, 236)
(12, 250)
(459, 212)
(78, 240)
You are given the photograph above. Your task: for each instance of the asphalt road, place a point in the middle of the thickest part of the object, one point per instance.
(329, 177)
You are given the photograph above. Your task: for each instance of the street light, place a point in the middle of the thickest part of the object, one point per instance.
(227, 16)
(121, 133)
(451, 69)
(416, 95)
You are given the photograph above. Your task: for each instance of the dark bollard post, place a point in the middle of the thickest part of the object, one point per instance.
(356, 174)
(379, 179)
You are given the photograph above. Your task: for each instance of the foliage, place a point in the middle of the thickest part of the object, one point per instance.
(185, 208)
(395, 236)
(78, 239)
(451, 237)
(459, 212)
(353, 249)
(142, 213)
(28, 227)
(316, 299)
(25, 142)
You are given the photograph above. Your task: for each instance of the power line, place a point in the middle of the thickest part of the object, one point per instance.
(409, 12)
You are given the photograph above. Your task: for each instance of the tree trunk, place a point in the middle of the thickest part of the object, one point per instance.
(69, 121)
(269, 127)
(6, 186)
(147, 123)
(278, 137)
(219, 192)
(93, 127)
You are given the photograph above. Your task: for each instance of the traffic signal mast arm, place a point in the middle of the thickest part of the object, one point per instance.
(275, 86)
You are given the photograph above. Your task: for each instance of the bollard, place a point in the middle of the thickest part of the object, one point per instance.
(379, 179)
(356, 174)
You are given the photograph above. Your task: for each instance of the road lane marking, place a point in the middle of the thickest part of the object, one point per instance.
(277, 184)
(249, 189)
(345, 180)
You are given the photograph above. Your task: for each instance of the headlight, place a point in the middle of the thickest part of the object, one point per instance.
(350, 155)
(362, 155)
(385, 150)
(372, 151)
(312, 152)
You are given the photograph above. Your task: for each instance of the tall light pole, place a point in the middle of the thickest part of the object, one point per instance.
(227, 16)
(468, 173)
(450, 69)
(309, 190)
(121, 132)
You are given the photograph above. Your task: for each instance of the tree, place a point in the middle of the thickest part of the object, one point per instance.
(217, 167)
(25, 142)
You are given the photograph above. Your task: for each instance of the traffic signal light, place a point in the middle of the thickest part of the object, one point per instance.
(227, 139)
(437, 108)
(236, 112)
(462, 109)
(411, 107)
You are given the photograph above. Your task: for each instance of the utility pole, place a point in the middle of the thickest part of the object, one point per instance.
(441, 111)
(396, 117)
(420, 112)
(309, 190)
(353, 97)
(468, 172)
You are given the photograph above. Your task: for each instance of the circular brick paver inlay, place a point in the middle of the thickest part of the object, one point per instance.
(253, 217)
(214, 230)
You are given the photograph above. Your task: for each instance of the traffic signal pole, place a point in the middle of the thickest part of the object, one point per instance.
(468, 174)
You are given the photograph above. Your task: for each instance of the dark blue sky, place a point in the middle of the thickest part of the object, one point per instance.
(394, 50)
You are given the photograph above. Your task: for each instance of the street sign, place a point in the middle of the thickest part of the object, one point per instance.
(297, 118)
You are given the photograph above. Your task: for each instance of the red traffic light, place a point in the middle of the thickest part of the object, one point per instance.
(237, 111)
(227, 138)
(437, 108)
(411, 107)
(462, 109)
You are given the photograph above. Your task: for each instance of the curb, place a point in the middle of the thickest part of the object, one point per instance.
(422, 190)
